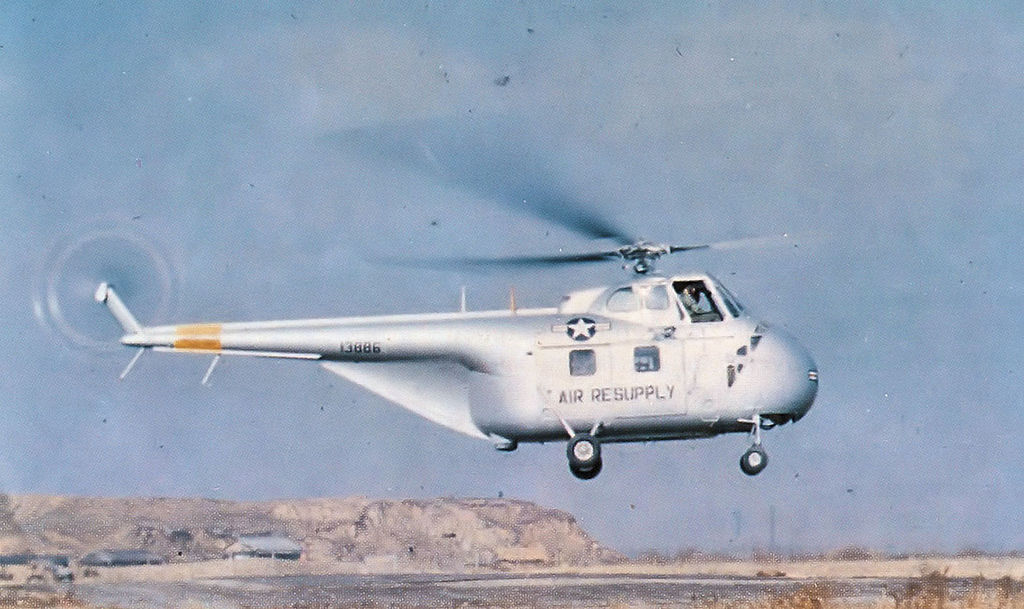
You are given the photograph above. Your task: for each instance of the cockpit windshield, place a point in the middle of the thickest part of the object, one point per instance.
(697, 300)
(734, 306)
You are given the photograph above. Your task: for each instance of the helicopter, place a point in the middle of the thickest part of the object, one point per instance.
(655, 357)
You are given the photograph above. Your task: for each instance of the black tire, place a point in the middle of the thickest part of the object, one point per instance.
(584, 452)
(754, 461)
(587, 474)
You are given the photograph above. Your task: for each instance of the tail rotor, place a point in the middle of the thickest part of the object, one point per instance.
(112, 256)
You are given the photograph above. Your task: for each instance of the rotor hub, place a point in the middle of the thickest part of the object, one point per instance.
(642, 255)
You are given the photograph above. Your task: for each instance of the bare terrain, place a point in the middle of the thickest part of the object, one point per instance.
(356, 532)
(519, 590)
(369, 553)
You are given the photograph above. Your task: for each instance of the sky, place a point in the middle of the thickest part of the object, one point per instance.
(269, 160)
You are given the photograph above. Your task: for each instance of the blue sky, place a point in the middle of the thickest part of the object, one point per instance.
(208, 147)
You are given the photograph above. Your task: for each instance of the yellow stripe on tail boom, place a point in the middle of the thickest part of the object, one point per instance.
(198, 337)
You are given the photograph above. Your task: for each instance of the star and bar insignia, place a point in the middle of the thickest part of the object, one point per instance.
(580, 328)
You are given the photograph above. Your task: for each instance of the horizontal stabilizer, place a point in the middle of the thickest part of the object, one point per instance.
(105, 294)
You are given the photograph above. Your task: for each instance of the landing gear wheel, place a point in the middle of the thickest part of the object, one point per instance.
(584, 453)
(753, 461)
(588, 474)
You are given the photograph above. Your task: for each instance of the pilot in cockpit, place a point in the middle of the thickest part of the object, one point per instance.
(697, 302)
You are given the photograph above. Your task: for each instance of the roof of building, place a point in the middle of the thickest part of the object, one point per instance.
(269, 544)
(28, 557)
(121, 557)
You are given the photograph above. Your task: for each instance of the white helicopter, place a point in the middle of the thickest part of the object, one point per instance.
(658, 357)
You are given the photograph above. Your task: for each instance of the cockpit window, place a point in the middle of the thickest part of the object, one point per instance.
(622, 299)
(697, 301)
(656, 298)
(734, 306)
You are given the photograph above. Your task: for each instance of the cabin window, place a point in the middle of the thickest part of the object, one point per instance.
(646, 359)
(582, 362)
(656, 298)
(622, 300)
(697, 301)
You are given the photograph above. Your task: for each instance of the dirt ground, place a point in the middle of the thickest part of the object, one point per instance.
(932, 583)
(953, 567)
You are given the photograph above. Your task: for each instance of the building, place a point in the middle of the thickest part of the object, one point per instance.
(56, 565)
(264, 546)
(121, 558)
(29, 558)
(522, 556)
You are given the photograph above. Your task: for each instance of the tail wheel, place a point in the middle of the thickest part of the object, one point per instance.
(753, 461)
(584, 453)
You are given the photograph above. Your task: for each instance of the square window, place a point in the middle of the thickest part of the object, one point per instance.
(646, 359)
(582, 362)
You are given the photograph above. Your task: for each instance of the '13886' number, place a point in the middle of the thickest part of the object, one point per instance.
(364, 347)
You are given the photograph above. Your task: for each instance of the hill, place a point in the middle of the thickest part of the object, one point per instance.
(440, 533)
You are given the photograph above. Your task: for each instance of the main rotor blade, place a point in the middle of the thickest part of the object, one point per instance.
(759, 242)
(538, 260)
(569, 215)
(748, 242)
(687, 248)
(490, 158)
(509, 261)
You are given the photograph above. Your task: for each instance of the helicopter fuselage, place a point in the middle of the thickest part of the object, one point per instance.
(656, 358)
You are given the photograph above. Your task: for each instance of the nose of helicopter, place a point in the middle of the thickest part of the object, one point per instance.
(795, 375)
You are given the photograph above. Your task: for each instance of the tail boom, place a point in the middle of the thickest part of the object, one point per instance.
(105, 294)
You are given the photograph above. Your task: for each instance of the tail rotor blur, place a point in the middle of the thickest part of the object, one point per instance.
(63, 299)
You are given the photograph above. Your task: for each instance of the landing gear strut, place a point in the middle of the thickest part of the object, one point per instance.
(584, 452)
(755, 459)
